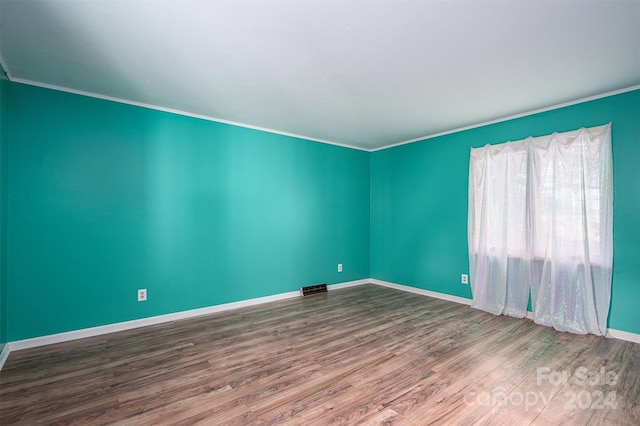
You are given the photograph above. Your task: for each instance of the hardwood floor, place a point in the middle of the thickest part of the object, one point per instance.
(362, 355)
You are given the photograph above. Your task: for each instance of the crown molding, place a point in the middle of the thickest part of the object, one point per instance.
(303, 137)
(512, 117)
(180, 112)
(5, 69)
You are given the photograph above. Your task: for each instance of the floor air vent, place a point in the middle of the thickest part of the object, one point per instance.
(314, 289)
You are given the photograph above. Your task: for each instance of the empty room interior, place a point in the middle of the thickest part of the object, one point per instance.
(318, 212)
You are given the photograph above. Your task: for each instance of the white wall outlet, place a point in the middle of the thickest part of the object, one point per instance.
(339, 267)
(142, 294)
(464, 279)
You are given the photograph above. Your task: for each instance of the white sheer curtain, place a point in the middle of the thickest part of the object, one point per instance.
(541, 223)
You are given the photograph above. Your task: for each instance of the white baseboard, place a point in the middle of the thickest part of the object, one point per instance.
(128, 325)
(348, 284)
(623, 335)
(434, 294)
(611, 333)
(143, 322)
(4, 354)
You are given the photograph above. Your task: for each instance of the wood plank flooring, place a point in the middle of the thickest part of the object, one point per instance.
(362, 355)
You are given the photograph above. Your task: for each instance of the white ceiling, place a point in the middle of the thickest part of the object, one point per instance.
(361, 73)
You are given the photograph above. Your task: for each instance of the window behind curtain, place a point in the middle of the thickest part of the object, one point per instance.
(540, 220)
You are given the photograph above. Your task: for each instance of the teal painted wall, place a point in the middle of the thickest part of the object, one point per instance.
(105, 198)
(4, 127)
(419, 201)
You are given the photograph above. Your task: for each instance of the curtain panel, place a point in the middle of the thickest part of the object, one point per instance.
(541, 228)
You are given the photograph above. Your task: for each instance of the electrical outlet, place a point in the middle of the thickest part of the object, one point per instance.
(339, 267)
(465, 279)
(142, 294)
